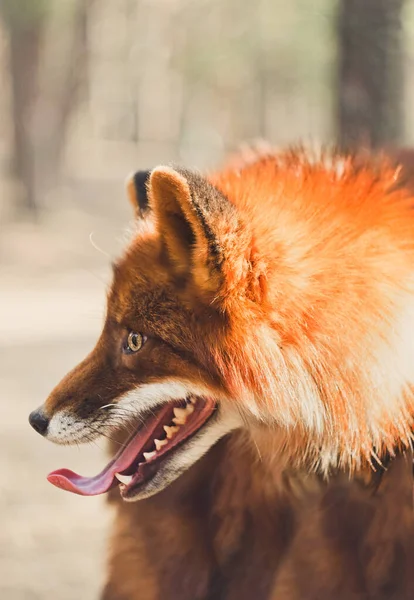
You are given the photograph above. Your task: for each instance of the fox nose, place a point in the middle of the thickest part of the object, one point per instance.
(39, 421)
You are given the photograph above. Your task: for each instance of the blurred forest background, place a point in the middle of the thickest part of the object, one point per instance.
(93, 89)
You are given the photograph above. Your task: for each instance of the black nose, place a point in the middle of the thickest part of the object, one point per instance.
(39, 421)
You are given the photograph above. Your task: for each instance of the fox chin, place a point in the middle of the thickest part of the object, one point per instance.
(259, 326)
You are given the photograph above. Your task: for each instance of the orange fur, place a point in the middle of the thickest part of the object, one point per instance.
(282, 287)
(323, 272)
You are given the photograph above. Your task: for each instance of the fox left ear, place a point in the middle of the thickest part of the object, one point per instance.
(136, 186)
(199, 226)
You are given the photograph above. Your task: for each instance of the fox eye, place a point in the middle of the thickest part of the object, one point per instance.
(135, 341)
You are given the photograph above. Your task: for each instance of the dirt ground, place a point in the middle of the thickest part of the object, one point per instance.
(52, 544)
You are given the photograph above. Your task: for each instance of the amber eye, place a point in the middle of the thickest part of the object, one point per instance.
(135, 342)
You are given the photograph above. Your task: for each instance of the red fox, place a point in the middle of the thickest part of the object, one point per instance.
(257, 365)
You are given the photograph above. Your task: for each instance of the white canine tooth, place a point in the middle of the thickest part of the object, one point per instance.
(189, 409)
(180, 416)
(170, 431)
(149, 455)
(126, 479)
(160, 443)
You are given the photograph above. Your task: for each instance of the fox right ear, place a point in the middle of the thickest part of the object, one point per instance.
(198, 226)
(136, 186)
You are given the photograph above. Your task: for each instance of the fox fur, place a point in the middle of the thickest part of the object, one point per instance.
(283, 285)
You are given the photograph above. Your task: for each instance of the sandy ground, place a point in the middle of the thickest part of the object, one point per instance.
(52, 544)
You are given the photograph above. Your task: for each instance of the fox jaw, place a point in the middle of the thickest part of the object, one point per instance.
(276, 296)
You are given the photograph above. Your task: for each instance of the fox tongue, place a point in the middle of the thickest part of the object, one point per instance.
(92, 486)
(84, 486)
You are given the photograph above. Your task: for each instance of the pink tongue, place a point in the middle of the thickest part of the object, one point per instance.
(92, 486)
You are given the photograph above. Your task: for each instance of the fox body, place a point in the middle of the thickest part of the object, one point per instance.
(259, 341)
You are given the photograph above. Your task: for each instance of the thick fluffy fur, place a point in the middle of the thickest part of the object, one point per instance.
(283, 287)
(235, 528)
(322, 332)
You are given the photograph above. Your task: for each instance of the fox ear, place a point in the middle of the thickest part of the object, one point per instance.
(195, 222)
(136, 186)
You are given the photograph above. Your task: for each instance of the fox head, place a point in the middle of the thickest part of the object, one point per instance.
(275, 296)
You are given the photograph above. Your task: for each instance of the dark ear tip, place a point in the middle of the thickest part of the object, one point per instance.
(136, 185)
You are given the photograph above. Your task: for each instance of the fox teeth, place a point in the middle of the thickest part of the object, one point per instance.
(170, 431)
(149, 455)
(126, 479)
(160, 443)
(189, 409)
(180, 416)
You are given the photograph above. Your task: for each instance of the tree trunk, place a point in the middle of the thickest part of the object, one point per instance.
(25, 38)
(59, 69)
(370, 73)
(64, 79)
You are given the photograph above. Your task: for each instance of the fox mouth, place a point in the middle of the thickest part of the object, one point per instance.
(163, 434)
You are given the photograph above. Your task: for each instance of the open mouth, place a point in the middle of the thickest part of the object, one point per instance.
(138, 461)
